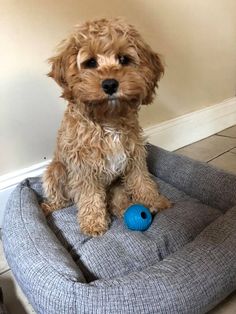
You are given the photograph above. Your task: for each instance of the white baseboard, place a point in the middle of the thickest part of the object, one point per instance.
(9, 181)
(171, 135)
(194, 126)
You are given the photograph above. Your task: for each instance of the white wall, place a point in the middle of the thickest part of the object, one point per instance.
(196, 38)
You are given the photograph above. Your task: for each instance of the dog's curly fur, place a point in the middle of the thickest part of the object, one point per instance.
(100, 157)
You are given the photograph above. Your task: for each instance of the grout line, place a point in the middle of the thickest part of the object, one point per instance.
(5, 271)
(227, 151)
(225, 136)
(216, 134)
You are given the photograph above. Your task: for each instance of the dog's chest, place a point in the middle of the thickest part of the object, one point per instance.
(116, 157)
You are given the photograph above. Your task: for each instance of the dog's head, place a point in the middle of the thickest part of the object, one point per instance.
(106, 66)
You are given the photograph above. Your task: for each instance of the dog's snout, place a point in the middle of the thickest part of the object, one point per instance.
(110, 86)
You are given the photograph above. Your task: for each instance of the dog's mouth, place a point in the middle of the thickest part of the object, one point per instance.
(111, 107)
(115, 100)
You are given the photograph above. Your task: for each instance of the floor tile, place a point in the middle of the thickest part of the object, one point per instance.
(228, 306)
(230, 132)
(3, 263)
(208, 148)
(14, 299)
(226, 161)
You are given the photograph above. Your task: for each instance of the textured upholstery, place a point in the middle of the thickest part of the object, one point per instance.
(184, 263)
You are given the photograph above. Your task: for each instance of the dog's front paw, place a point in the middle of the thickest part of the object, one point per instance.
(160, 203)
(94, 226)
(49, 207)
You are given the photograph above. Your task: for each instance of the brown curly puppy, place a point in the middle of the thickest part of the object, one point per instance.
(106, 72)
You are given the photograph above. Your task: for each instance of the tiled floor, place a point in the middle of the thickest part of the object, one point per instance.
(218, 150)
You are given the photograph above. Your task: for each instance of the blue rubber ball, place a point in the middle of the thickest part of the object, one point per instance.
(137, 217)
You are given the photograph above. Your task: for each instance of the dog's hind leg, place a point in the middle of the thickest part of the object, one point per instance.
(118, 200)
(55, 185)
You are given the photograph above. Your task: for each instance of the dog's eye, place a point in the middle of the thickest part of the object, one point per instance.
(124, 60)
(90, 63)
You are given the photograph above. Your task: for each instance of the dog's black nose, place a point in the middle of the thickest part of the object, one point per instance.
(110, 86)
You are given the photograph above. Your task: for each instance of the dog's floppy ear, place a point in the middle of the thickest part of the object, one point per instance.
(157, 70)
(152, 67)
(64, 66)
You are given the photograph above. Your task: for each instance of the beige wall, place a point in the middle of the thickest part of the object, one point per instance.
(196, 38)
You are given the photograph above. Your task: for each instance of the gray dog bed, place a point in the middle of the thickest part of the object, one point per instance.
(184, 263)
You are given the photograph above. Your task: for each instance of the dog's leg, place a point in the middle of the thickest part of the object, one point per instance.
(141, 187)
(54, 184)
(93, 216)
(118, 200)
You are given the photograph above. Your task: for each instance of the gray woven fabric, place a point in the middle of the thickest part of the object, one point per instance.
(202, 181)
(184, 263)
(133, 251)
